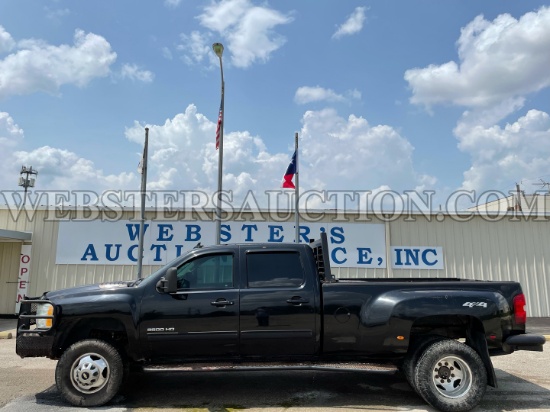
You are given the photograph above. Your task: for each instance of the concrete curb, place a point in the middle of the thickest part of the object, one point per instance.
(8, 334)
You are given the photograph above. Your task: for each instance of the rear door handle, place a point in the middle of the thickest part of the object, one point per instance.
(222, 302)
(297, 300)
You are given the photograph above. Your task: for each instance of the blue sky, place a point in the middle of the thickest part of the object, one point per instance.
(400, 95)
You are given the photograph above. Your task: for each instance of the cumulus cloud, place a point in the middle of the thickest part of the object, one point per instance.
(186, 143)
(37, 66)
(58, 169)
(501, 156)
(307, 94)
(337, 153)
(63, 169)
(497, 60)
(10, 133)
(340, 153)
(6, 41)
(134, 73)
(248, 32)
(352, 25)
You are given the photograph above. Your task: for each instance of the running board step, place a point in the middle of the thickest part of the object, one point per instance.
(257, 366)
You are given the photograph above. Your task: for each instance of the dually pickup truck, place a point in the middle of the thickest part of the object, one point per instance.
(276, 304)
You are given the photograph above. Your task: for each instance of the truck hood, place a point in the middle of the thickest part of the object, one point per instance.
(87, 290)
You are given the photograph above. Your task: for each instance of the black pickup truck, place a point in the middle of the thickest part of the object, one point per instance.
(272, 304)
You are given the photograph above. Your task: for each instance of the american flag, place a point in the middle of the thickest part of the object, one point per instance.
(219, 127)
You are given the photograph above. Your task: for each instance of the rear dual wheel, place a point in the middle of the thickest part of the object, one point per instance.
(450, 376)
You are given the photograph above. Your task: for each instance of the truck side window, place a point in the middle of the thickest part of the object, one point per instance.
(207, 272)
(274, 270)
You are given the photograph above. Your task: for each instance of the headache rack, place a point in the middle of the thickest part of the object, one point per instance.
(322, 258)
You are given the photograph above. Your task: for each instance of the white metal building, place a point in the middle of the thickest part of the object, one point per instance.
(50, 249)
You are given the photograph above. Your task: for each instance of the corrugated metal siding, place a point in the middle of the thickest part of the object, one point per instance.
(476, 249)
(483, 250)
(9, 272)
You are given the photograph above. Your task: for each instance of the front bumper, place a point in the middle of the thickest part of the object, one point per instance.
(32, 345)
(524, 342)
(32, 341)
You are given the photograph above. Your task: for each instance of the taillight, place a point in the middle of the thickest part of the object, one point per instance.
(520, 314)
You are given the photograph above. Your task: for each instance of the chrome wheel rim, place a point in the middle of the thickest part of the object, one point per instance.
(90, 373)
(452, 377)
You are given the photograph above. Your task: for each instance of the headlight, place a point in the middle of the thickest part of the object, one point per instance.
(44, 309)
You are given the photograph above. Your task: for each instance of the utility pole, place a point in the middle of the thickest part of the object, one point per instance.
(26, 181)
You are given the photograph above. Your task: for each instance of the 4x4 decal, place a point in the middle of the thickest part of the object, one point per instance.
(473, 304)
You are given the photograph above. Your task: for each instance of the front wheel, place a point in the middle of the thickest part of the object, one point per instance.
(89, 373)
(450, 376)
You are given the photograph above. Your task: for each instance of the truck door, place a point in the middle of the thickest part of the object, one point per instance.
(278, 301)
(201, 319)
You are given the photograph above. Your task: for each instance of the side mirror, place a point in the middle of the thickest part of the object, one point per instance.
(169, 282)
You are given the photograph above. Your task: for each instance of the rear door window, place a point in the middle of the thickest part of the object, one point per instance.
(274, 270)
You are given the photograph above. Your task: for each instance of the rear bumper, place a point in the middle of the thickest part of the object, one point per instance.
(524, 342)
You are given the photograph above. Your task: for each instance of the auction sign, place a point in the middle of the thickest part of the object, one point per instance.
(116, 243)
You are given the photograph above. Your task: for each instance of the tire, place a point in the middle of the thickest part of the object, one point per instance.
(415, 351)
(89, 373)
(450, 376)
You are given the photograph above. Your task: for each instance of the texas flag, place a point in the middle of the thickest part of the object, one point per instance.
(290, 172)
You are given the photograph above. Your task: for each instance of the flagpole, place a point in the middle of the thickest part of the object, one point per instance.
(143, 195)
(297, 192)
(218, 49)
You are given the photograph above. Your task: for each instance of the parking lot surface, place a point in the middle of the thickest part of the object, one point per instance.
(28, 385)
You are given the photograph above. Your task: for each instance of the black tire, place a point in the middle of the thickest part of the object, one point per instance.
(415, 351)
(89, 373)
(450, 376)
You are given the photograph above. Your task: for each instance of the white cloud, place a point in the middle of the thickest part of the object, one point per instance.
(62, 169)
(249, 29)
(307, 94)
(501, 156)
(172, 3)
(352, 25)
(336, 154)
(57, 13)
(498, 60)
(58, 169)
(166, 53)
(6, 41)
(10, 133)
(196, 48)
(133, 72)
(37, 66)
(339, 153)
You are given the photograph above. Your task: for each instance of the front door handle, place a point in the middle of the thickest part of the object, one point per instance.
(297, 300)
(222, 302)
